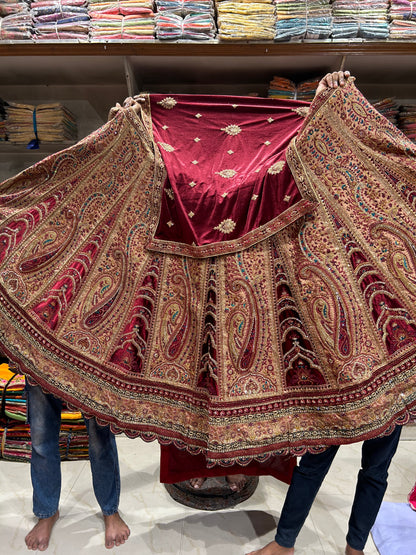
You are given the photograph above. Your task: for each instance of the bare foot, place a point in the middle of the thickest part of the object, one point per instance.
(273, 548)
(350, 551)
(196, 483)
(236, 481)
(38, 537)
(116, 530)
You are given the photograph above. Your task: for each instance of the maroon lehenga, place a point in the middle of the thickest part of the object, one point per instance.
(231, 276)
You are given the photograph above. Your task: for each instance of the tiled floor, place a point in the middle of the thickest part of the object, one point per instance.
(159, 525)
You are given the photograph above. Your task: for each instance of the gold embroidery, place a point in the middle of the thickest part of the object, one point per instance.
(270, 120)
(267, 143)
(276, 168)
(224, 195)
(258, 170)
(232, 129)
(226, 173)
(197, 139)
(287, 198)
(170, 193)
(230, 151)
(191, 214)
(198, 116)
(194, 162)
(170, 223)
(226, 226)
(168, 103)
(254, 197)
(167, 147)
(235, 105)
(192, 184)
(302, 111)
(164, 127)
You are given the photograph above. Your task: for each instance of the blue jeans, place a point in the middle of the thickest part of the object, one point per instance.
(376, 455)
(44, 417)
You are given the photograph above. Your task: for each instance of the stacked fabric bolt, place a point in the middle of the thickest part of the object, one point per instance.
(8, 7)
(402, 19)
(15, 20)
(243, 20)
(194, 26)
(31, 125)
(185, 19)
(389, 107)
(310, 19)
(281, 87)
(15, 432)
(407, 120)
(360, 18)
(60, 19)
(306, 89)
(185, 7)
(126, 19)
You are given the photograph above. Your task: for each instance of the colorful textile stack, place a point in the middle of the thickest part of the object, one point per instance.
(402, 19)
(195, 26)
(15, 432)
(60, 19)
(306, 89)
(185, 19)
(15, 20)
(8, 7)
(242, 20)
(45, 123)
(407, 120)
(311, 19)
(125, 19)
(389, 108)
(280, 87)
(360, 18)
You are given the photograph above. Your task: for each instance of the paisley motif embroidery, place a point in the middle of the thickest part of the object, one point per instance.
(227, 174)
(232, 130)
(277, 167)
(226, 226)
(168, 103)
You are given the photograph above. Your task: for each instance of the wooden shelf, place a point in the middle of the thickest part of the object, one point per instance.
(307, 48)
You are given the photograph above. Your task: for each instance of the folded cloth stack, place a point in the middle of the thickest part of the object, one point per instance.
(311, 19)
(15, 432)
(402, 19)
(407, 120)
(16, 21)
(45, 123)
(126, 19)
(246, 20)
(306, 89)
(185, 7)
(281, 87)
(193, 26)
(60, 19)
(389, 107)
(8, 7)
(360, 18)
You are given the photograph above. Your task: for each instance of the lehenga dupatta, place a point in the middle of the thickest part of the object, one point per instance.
(304, 338)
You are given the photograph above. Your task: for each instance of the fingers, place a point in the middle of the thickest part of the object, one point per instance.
(336, 79)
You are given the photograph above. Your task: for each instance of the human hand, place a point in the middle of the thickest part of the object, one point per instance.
(332, 81)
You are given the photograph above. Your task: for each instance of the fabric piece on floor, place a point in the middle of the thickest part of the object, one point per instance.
(394, 530)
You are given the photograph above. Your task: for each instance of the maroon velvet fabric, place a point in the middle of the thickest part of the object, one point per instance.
(227, 174)
(177, 466)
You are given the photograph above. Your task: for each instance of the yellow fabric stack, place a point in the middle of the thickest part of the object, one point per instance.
(246, 20)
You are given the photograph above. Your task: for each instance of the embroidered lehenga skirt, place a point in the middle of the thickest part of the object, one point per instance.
(231, 276)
